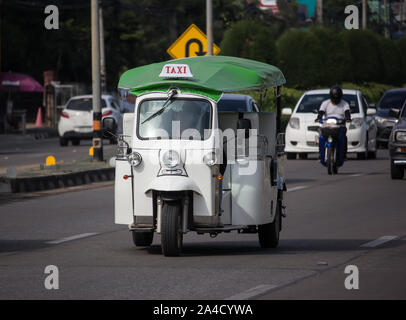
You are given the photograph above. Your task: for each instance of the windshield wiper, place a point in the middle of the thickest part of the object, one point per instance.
(166, 104)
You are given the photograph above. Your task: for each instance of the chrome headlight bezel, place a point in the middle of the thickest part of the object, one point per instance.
(356, 123)
(171, 158)
(379, 120)
(135, 159)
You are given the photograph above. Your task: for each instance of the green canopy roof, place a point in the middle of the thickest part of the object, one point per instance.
(212, 75)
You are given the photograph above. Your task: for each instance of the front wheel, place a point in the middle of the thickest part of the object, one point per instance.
(291, 155)
(330, 161)
(171, 230)
(268, 234)
(63, 142)
(143, 238)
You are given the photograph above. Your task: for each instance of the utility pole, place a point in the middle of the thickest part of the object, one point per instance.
(97, 133)
(319, 12)
(386, 20)
(364, 14)
(102, 59)
(209, 26)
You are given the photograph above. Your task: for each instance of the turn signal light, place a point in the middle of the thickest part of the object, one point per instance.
(219, 176)
(125, 177)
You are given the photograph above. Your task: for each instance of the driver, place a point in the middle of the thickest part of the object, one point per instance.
(336, 107)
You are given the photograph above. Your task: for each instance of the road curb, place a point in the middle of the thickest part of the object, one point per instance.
(63, 180)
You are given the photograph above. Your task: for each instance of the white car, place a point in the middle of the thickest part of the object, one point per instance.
(302, 136)
(76, 121)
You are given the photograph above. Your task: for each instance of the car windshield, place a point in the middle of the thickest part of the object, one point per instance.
(83, 104)
(393, 100)
(313, 102)
(403, 115)
(228, 105)
(189, 119)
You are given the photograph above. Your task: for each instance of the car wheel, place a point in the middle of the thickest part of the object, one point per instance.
(303, 156)
(396, 172)
(372, 154)
(75, 142)
(291, 156)
(268, 234)
(63, 142)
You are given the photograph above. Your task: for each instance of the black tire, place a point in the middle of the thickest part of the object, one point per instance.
(291, 156)
(75, 142)
(113, 140)
(330, 161)
(63, 142)
(171, 233)
(268, 234)
(372, 154)
(396, 172)
(303, 156)
(361, 155)
(143, 238)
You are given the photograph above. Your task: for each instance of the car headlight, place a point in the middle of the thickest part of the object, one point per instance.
(380, 120)
(294, 123)
(356, 123)
(210, 159)
(135, 159)
(400, 136)
(171, 159)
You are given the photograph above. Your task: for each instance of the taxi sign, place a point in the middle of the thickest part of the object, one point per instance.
(192, 43)
(176, 71)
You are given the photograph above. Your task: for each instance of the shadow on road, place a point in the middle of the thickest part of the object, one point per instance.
(291, 246)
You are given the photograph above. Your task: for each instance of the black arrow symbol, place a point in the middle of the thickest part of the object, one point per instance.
(197, 41)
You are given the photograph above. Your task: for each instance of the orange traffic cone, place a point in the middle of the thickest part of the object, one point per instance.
(38, 123)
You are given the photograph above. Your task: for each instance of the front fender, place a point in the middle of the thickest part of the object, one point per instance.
(173, 183)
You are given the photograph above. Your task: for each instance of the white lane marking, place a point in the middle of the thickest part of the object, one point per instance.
(297, 188)
(75, 237)
(253, 292)
(358, 175)
(379, 241)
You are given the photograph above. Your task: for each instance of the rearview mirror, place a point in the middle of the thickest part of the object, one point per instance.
(372, 105)
(109, 127)
(371, 112)
(286, 112)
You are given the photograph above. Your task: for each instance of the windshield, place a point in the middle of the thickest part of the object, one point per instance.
(83, 104)
(190, 119)
(225, 105)
(403, 115)
(393, 100)
(313, 102)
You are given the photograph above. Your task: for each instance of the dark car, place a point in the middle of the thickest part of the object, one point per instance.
(397, 146)
(237, 103)
(391, 102)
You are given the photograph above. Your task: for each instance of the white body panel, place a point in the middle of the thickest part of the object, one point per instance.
(122, 194)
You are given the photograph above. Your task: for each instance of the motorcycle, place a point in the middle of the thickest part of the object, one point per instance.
(332, 143)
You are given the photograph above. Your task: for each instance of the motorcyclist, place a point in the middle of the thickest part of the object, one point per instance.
(336, 107)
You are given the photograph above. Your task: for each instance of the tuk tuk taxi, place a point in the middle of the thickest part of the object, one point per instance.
(181, 166)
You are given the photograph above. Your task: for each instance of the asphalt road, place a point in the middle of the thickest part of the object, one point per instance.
(330, 219)
(19, 151)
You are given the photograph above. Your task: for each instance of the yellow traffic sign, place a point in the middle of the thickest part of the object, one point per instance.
(192, 43)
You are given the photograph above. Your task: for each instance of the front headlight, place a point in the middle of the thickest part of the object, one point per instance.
(356, 123)
(400, 136)
(294, 123)
(171, 159)
(210, 159)
(380, 120)
(135, 159)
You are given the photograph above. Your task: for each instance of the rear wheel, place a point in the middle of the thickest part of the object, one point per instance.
(396, 172)
(291, 155)
(75, 142)
(63, 142)
(268, 234)
(303, 156)
(171, 231)
(143, 238)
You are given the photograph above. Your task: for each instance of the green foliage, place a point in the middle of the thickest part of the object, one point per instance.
(251, 40)
(300, 57)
